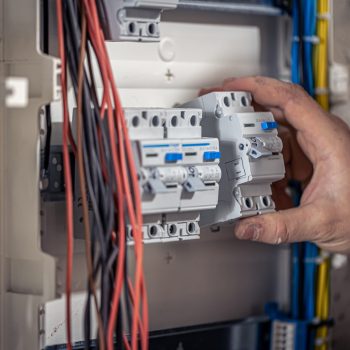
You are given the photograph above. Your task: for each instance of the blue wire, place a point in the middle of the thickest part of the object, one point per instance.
(309, 25)
(295, 72)
(309, 284)
(295, 64)
(295, 281)
(309, 10)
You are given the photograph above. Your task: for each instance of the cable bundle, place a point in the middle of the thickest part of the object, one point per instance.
(107, 180)
(321, 67)
(309, 57)
(321, 55)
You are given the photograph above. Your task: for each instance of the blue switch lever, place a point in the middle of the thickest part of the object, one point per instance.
(173, 157)
(269, 125)
(211, 155)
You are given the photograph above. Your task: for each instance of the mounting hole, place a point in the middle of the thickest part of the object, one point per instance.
(131, 234)
(227, 101)
(132, 28)
(191, 227)
(244, 101)
(172, 229)
(135, 121)
(151, 29)
(174, 120)
(193, 120)
(155, 121)
(266, 201)
(248, 203)
(233, 96)
(153, 231)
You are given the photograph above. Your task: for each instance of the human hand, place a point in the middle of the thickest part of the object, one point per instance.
(323, 216)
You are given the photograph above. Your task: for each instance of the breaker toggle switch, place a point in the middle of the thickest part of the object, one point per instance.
(264, 146)
(271, 143)
(156, 185)
(194, 182)
(267, 126)
(173, 157)
(209, 156)
(164, 180)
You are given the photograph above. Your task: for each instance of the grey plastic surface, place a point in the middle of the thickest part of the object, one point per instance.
(134, 20)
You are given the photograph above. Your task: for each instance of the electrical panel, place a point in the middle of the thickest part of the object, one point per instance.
(251, 154)
(134, 20)
(178, 172)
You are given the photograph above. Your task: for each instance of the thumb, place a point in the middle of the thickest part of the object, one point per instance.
(292, 225)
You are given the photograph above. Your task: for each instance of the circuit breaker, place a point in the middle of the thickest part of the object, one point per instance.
(251, 154)
(215, 155)
(134, 20)
(178, 172)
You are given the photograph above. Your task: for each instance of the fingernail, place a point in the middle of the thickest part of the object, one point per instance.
(249, 232)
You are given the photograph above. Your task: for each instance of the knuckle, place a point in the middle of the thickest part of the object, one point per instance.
(259, 80)
(282, 233)
(294, 90)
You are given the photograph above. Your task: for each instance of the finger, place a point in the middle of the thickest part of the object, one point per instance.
(301, 111)
(280, 197)
(299, 165)
(278, 115)
(292, 225)
(258, 108)
(285, 135)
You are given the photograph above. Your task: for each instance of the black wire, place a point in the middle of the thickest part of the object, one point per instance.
(87, 319)
(71, 48)
(100, 190)
(45, 26)
(106, 200)
(106, 193)
(126, 293)
(48, 138)
(119, 345)
(94, 178)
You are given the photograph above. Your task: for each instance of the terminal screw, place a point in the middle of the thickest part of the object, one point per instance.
(218, 112)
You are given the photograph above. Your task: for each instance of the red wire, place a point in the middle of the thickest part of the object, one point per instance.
(132, 296)
(120, 199)
(67, 172)
(136, 222)
(121, 164)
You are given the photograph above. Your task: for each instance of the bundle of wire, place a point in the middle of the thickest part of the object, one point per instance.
(108, 184)
(310, 69)
(321, 65)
